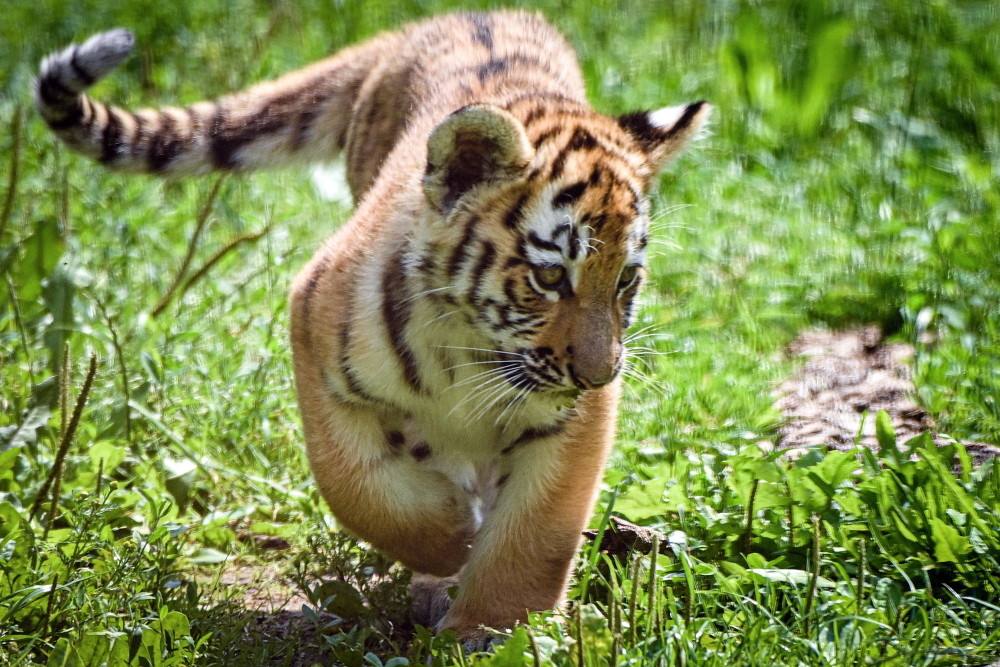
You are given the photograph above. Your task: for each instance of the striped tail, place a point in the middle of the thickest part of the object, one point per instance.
(299, 118)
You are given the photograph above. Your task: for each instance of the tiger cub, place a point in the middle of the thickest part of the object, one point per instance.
(458, 343)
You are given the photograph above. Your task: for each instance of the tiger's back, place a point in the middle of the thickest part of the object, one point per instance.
(458, 343)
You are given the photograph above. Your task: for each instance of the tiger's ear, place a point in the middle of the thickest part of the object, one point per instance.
(477, 144)
(664, 133)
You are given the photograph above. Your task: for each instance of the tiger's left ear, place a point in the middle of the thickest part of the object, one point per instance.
(664, 133)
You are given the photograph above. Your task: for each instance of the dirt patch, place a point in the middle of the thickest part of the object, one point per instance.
(849, 373)
(261, 611)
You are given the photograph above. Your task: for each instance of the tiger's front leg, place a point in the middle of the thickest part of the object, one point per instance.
(374, 481)
(522, 556)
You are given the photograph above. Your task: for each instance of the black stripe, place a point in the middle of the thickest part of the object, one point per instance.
(303, 125)
(83, 75)
(71, 118)
(332, 390)
(531, 434)
(648, 135)
(492, 67)
(536, 96)
(227, 140)
(53, 92)
(165, 145)
(312, 109)
(533, 115)
(637, 124)
(483, 32)
(574, 242)
(595, 176)
(486, 260)
(546, 135)
(396, 315)
(350, 377)
(461, 252)
(581, 140)
(112, 140)
(539, 242)
(513, 216)
(570, 194)
(222, 147)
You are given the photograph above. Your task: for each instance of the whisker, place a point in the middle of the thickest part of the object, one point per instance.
(519, 355)
(645, 332)
(661, 213)
(478, 363)
(483, 375)
(433, 290)
(487, 398)
(499, 397)
(517, 400)
(431, 321)
(490, 380)
(486, 388)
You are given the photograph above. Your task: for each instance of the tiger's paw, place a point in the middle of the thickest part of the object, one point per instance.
(479, 640)
(432, 597)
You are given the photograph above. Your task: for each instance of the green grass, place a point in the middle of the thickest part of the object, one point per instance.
(850, 177)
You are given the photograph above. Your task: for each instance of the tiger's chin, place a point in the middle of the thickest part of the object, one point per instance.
(560, 398)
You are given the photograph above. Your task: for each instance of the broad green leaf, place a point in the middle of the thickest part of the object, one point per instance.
(108, 452)
(514, 652)
(829, 66)
(174, 624)
(208, 557)
(791, 576)
(642, 500)
(42, 250)
(886, 436)
(94, 649)
(64, 655)
(341, 599)
(43, 397)
(58, 294)
(949, 545)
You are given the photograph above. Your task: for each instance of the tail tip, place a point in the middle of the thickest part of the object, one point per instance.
(105, 51)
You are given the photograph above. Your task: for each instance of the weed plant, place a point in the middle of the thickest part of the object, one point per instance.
(850, 177)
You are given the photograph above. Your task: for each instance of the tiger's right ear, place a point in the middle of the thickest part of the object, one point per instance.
(475, 145)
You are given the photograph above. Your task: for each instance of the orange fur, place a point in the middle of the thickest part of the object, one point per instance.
(457, 344)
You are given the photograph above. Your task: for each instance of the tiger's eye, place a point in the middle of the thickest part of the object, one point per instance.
(628, 276)
(550, 277)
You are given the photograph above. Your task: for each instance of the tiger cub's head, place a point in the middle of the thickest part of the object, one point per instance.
(540, 224)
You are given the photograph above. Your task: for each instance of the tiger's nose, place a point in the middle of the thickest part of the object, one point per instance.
(594, 373)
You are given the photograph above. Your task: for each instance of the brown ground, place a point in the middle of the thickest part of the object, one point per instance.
(269, 606)
(849, 373)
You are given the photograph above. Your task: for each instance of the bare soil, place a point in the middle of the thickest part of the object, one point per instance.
(847, 377)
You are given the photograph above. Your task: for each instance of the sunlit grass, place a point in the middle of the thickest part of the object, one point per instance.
(849, 177)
